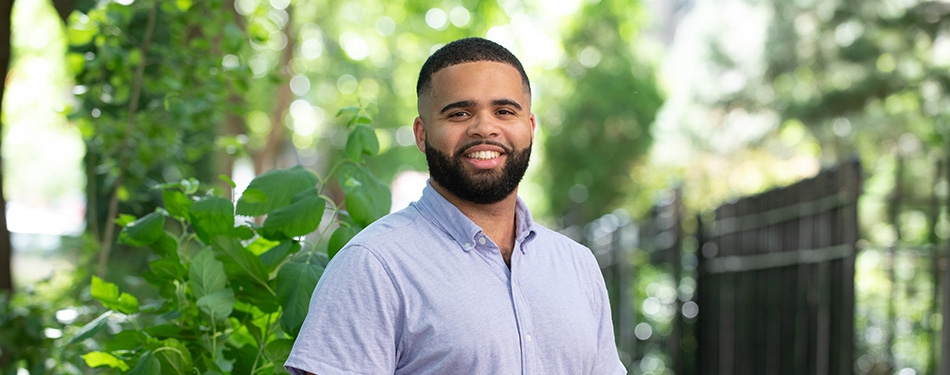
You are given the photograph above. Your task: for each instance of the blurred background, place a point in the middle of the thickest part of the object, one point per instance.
(658, 121)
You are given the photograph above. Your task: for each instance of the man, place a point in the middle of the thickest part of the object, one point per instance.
(463, 281)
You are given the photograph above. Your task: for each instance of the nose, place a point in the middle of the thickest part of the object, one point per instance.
(484, 126)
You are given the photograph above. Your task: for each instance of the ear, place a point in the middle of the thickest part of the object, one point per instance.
(534, 124)
(419, 130)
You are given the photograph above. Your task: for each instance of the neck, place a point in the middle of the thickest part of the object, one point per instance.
(497, 219)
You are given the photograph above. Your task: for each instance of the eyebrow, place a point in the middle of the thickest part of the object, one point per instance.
(471, 103)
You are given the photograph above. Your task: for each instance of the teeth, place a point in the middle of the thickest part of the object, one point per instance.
(484, 155)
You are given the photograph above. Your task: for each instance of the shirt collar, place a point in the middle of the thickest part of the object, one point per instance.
(463, 230)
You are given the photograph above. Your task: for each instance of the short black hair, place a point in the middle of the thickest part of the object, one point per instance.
(464, 51)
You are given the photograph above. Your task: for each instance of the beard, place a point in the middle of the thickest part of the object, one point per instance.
(479, 186)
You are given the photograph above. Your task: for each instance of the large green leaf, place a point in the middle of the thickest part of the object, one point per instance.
(217, 305)
(108, 294)
(297, 219)
(212, 216)
(176, 203)
(295, 283)
(367, 198)
(242, 262)
(361, 141)
(274, 189)
(206, 274)
(144, 231)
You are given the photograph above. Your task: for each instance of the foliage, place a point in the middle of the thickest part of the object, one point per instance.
(23, 342)
(153, 84)
(603, 125)
(232, 294)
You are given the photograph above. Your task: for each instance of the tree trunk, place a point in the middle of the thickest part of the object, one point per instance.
(6, 249)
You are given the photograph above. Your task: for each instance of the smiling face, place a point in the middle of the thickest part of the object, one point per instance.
(476, 128)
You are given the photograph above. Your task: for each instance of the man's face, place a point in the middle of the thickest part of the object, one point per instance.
(476, 128)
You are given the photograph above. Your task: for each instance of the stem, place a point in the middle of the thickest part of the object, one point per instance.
(126, 142)
(262, 344)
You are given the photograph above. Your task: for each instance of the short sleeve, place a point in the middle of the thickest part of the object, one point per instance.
(351, 326)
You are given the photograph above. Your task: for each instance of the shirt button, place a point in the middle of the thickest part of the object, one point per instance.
(527, 337)
(468, 244)
(481, 240)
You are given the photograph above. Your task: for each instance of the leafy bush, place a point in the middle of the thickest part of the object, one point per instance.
(233, 291)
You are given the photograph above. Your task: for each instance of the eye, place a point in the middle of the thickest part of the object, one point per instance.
(459, 114)
(506, 112)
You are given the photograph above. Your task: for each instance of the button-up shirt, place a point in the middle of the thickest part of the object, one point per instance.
(425, 291)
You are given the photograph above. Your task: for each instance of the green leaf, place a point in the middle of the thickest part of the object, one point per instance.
(278, 350)
(206, 274)
(176, 203)
(144, 231)
(297, 219)
(147, 365)
(254, 294)
(261, 245)
(108, 294)
(167, 269)
(190, 186)
(279, 252)
(124, 219)
(348, 114)
(243, 357)
(339, 238)
(361, 141)
(227, 179)
(253, 196)
(367, 198)
(99, 359)
(212, 216)
(91, 328)
(218, 305)
(245, 261)
(164, 331)
(174, 357)
(295, 284)
(278, 188)
(129, 339)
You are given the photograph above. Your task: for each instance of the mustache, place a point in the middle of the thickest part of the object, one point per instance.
(461, 151)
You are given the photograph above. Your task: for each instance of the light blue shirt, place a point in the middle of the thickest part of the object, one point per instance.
(425, 291)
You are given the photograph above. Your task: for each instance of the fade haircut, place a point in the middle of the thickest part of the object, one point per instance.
(464, 51)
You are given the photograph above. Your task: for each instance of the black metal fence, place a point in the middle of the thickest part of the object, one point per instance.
(776, 280)
(766, 284)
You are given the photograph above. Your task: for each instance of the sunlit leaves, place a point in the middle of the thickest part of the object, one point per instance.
(108, 294)
(100, 359)
(274, 189)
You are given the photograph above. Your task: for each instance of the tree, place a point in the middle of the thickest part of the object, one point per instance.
(602, 126)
